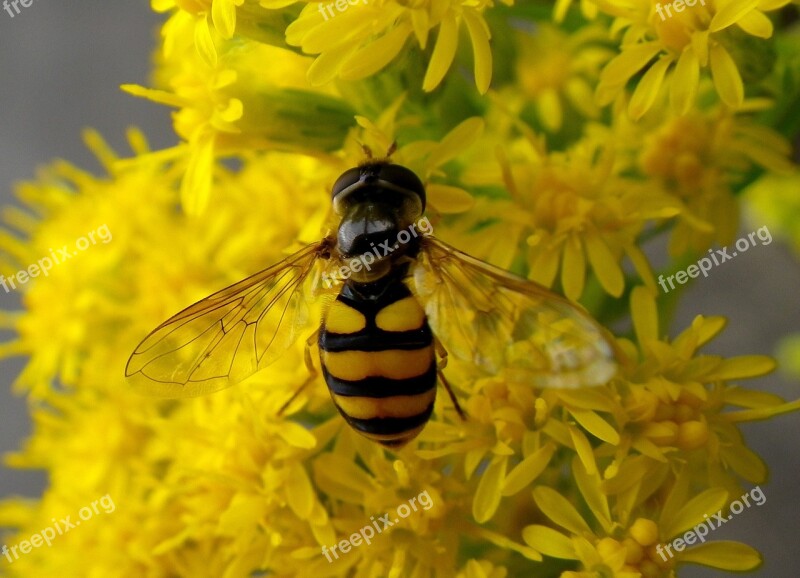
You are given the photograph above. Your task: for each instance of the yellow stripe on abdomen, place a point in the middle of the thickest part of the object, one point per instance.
(341, 318)
(402, 315)
(392, 363)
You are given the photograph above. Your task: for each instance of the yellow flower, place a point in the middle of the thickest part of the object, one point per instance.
(237, 104)
(72, 333)
(205, 16)
(557, 71)
(673, 418)
(701, 158)
(675, 400)
(576, 212)
(683, 43)
(366, 37)
(626, 555)
(621, 542)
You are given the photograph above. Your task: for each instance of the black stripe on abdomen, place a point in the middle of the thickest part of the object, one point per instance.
(373, 339)
(379, 386)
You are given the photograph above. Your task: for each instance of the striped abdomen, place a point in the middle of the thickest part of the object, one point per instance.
(378, 360)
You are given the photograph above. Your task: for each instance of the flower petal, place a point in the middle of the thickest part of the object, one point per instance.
(159, 96)
(549, 542)
(455, 142)
(528, 469)
(449, 200)
(700, 46)
(443, 53)
(592, 492)
(746, 463)
(223, 14)
(549, 109)
(605, 266)
(371, 57)
(573, 268)
(297, 436)
(727, 79)
(583, 449)
(559, 510)
(707, 502)
(732, 556)
(327, 65)
(482, 52)
(630, 61)
(544, 266)
(757, 24)
(300, 493)
(648, 88)
(596, 425)
(729, 13)
(762, 412)
(685, 80)
(645, 315)
(196, 183)
(488, 494)
(204, 43)
(742, 367)
(642, 266)
(420, 22)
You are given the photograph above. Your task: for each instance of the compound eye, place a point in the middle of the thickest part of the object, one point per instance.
(347, 178)
(404, 178)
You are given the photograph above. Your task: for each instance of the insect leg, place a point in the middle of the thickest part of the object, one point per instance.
(439, 367)
(312, 371)
(453, 398)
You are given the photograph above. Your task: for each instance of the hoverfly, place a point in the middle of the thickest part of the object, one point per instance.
(414, 299)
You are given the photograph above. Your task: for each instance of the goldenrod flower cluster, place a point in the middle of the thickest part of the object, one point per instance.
(554, 141)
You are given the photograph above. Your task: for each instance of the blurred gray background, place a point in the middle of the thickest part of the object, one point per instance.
(60, 69)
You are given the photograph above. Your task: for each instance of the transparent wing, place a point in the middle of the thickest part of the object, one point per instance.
(497, 320)
(226, 337)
